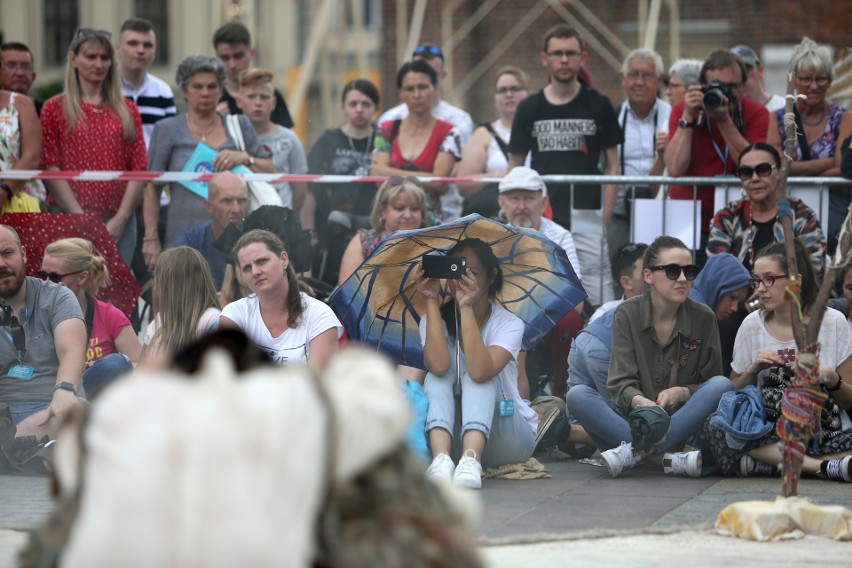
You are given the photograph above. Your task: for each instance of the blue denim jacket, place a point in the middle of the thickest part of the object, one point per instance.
(741, 416)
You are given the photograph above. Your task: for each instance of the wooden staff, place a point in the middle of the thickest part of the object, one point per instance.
(803, 397)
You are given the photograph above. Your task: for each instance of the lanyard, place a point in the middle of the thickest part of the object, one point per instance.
(724, 157)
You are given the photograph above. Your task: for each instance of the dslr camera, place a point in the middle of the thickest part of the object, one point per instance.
(714, 93)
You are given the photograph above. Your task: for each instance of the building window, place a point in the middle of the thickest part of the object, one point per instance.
(61, 19)
(157, 11)
(371, 14)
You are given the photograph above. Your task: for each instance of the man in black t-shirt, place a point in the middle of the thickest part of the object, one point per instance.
(569, 129)
(232, 43)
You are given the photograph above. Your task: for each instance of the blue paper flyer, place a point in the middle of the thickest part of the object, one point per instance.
(201, 162)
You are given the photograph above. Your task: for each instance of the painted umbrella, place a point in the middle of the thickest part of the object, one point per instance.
(379, 304)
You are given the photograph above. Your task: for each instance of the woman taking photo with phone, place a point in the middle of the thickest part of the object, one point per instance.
(665, 365)
(497, 427)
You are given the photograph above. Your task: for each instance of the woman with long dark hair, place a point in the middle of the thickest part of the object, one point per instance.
(496, 427)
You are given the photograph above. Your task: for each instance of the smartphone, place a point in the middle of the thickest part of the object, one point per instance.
(451, 267)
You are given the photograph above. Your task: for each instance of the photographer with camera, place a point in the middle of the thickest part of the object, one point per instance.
(709, 129)
(43, 345)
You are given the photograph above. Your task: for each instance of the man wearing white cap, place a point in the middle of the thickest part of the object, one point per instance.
(522, 199)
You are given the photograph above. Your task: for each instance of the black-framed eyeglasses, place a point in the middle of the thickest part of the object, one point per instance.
(55, 277)
(767, 280)
(820, 81)
(690, 271)
(89, 33)
(763, 170)
(428, 50)
(402, 180)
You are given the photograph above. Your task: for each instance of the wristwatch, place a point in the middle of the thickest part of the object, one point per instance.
(682, 123)
(66, 386)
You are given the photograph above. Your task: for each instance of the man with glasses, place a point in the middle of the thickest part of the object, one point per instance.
(644, 119)
(135, 51)
(17, 72)
(43, 345)
(568, 129)
(705, 141)
(451, 202)
(232, 43)
(754, 84)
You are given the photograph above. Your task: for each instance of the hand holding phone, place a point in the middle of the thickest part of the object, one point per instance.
(449, 267)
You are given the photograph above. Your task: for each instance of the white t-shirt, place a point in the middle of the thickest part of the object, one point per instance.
(506, 330)
(292, 346)
(288, 156)
(774, 103)
(562, 237)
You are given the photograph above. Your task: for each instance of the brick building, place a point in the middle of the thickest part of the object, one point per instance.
(479, 36)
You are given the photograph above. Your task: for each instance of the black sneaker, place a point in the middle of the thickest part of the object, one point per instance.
(553, 429)
(837, 470)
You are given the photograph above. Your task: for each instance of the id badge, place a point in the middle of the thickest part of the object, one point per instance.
(24, 372)
(507, 408)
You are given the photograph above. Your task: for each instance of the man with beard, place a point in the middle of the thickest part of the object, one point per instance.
(568, 129)
(43, 344)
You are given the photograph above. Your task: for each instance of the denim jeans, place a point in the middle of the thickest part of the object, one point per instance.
(588, 364)
(104, 371)
(509, 439)
(608, 427)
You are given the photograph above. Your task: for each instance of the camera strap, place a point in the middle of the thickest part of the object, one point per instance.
(17, 336)
(625, 108)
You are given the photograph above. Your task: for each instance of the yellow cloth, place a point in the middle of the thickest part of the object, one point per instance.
(21, 203)
(792, 517)
(532, 469)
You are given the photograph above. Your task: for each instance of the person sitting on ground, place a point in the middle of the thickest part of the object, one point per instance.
(419, 144)
(764, 354)
(42, 358)
(400, 205)
(185, 304)
(588, 359)
(113, 347)
(490, 339)
(285, 322)
(227, 202)
(665, 367)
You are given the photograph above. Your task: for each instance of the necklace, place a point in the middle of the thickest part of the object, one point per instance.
(195, 131)
(364, 159)
(817, 121)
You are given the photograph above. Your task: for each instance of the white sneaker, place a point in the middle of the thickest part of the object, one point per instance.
(683, 463)
(469, 472)
(620, 459)
(441, 469)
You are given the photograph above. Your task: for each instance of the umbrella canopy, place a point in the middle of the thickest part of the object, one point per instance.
(379, 304)
(37, 230)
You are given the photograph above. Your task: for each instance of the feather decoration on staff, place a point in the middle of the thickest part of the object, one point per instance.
(803, 398)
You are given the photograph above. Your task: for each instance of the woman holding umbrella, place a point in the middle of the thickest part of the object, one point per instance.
(497, 426)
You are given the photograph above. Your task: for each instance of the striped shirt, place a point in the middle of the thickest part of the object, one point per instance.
(154, 99)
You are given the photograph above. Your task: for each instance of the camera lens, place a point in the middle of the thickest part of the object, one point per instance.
(713, 98)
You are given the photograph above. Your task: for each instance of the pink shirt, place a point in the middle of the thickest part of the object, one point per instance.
(107, 323)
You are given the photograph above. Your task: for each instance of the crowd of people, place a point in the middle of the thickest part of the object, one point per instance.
(666, 337)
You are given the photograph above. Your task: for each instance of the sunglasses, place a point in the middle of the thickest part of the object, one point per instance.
(767, 281)
(402, 180)
(429, 51)
(55, 277)
(89, 33)
(763, 170)
(690, 271)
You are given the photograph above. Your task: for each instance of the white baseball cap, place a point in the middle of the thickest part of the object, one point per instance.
(524, 178)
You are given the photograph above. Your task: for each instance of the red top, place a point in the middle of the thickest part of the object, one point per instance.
(95, 144)
(710, 160)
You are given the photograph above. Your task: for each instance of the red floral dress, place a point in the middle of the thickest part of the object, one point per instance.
(96, 144)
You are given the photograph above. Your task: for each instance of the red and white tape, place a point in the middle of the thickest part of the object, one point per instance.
(164, 177)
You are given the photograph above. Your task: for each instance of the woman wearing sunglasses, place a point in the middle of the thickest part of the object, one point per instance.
(112, 347)
(763, 356)
(665, 361)
(744, 227)
(90, 126)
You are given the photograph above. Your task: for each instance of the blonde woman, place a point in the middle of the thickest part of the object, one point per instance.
(112, 347)
(90, 126)
(185, 305)
(400, 205)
